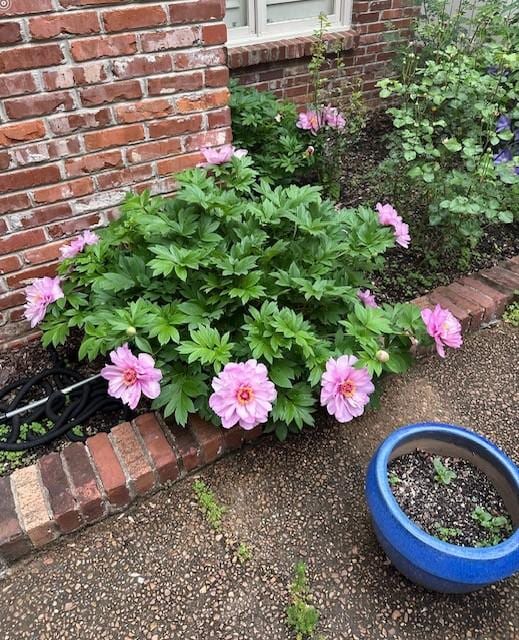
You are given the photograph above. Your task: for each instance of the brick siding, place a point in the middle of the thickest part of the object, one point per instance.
(97, 97)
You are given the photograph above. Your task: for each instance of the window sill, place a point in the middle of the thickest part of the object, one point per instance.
(248, 55)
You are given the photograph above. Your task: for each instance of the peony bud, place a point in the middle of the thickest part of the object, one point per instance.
(131, 331)
(382, 356)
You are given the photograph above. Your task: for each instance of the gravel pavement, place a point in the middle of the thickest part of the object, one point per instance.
(159, 572)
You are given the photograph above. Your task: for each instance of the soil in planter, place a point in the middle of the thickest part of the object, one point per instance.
(464, 509)
(31, 359)
(406, 273)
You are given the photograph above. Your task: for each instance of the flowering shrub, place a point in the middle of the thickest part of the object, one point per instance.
(240, 286)
(456, 133)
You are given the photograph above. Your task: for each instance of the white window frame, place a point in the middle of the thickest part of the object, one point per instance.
(259, 30)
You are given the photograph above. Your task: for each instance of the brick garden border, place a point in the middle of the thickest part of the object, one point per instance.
(86, 482)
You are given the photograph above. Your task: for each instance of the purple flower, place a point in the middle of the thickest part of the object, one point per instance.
(221, 155)
(387, 215)
(129, 376)
(503, 123)
(243, 394)
(443, 327)
(503, 156)
(333, 118)
(345, 390)
(309, 121)
(39, 295)
(402, 236)
(78, 244)
(367, 298)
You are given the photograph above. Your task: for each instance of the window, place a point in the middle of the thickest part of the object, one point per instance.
(251, 20)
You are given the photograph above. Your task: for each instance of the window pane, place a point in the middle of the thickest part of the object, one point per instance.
(280, 10)
(236, 13)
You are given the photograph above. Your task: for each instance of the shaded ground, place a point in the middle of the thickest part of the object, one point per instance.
(159, 572)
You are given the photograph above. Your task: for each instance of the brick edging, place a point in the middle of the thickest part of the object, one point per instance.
(85, 482)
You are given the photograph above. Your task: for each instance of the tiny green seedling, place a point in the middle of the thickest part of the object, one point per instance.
(244, 553)
(446, 533)
(511, 314)
(443, 475)
(208, 504)
(497, 527)
(17, 459)
(302, 616)
(393, 479)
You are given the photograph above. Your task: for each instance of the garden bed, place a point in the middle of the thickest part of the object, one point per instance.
(406, 274)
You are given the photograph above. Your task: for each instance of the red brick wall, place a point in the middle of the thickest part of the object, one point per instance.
(379, 27)
(97, 96)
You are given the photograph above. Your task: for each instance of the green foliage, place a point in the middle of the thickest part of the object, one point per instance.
(302, 616)
(244, 553)
(266, 127)
(511, 314)
(498, 528)
(208, 504)
(447, 533)
(393, 479)
(451, 90)
(10, 460)
(215, 275)
(443, 474)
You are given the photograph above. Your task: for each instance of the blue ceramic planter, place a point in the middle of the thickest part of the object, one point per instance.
(424, 559)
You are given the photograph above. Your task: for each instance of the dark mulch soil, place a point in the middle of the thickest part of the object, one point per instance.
(406, 274)
(431, 504)
(33, 359)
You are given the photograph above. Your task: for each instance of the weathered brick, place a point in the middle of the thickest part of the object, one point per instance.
(157, 446)
(208, 139)
(199, 11)
(23, 239)
(44, 152)
(143, 110)
(505, 281)
(32, 507)
(198, 59)
(25, 277)
(43, 215)
(11, 203)
(103, 47)
(252, 434)
(169, 39)
(11, 299)
(500, 299)
(208, 437)
(92, 119)
(124, 177)
(22, 132)
(474, 310)
(9, 263)
(13, 541)
(74, 225)
(63, 506)
(481, 306)
(186, 446)
(214, 34)
(46, 27)
(30, 57)
(133, 457)
(16, 84)
(202, 102)
(64, 190)
(232, 438)
(153, 150)
(25, 7)
(64, 78)
(142, 66)
(115, 137)
(175, 126)
(217, 77)
(83, 481)
(109, 470)
(179, 163)
(134, 18)
(93, 163)
(46, 253)
(118, 91)
(39, 105)
(175, 83)
(9, 33)
(220, 118)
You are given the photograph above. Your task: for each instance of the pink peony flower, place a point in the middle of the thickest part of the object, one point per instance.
(333, 118)
(443, 327)
(345, 390)
(243, 394)
(387, 215)
(221, 155)
(402, 236)
(130, 376)
(367, 298)
(78, 244)
(39, 295)
(309, 121)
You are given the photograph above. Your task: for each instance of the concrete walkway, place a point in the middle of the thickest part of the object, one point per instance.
(159, 572)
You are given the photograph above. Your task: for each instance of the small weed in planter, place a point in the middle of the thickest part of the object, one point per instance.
(302, 616)
(11, 460)
(392, 478)
(244, 553)
(447, 533)
(443, 475)
(208, 504)
(497, 528)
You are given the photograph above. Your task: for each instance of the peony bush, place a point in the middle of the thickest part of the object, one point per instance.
(233, 298)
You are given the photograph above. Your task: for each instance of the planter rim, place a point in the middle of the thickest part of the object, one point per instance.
(432, 429)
